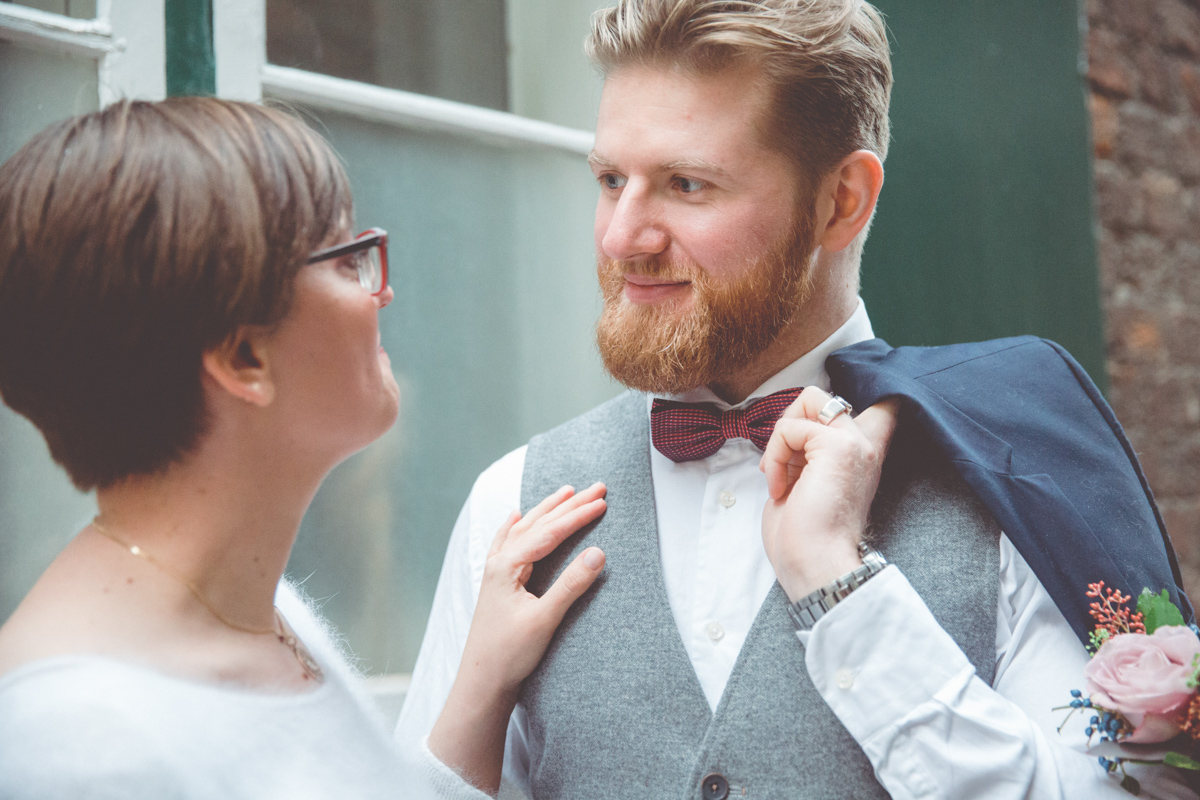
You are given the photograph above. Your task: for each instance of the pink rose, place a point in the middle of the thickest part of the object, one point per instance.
(1145, 679)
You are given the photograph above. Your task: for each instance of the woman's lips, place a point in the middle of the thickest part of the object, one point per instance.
(645, 289)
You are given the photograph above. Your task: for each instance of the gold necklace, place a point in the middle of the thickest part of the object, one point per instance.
(281, 629)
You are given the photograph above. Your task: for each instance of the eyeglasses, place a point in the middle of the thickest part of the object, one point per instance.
(368, 253)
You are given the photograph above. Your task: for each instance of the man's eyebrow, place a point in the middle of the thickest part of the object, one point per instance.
(687, 164)
(600, 161)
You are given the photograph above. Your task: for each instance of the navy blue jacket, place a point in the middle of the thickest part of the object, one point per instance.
(1031, 434)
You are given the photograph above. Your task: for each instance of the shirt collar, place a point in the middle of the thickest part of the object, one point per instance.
(807, 370)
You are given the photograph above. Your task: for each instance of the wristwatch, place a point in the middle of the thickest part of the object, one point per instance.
(807, 610)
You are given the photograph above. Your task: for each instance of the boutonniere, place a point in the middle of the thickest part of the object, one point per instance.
(1142, 681)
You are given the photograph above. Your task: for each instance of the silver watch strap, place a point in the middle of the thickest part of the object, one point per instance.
(807, 610)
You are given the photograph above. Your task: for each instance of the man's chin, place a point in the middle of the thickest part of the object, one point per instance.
(658, 370)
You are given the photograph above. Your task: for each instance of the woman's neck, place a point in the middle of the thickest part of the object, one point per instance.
(226, 528)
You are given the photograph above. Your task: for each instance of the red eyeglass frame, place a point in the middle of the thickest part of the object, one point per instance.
(372, 237)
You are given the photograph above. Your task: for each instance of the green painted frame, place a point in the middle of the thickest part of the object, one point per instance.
(191, 60)
(986, 222)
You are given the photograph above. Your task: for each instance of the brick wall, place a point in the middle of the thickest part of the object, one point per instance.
(1144, 75)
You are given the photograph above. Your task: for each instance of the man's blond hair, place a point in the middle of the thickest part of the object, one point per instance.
(827, 63)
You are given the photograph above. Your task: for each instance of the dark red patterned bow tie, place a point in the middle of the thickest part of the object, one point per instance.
(688, 431)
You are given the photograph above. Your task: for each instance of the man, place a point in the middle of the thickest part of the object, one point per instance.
(739, 152)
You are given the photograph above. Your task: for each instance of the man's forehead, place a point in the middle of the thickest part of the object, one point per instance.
(679, 119)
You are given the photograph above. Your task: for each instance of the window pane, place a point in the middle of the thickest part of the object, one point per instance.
(490, 336)
(454, 49)
(79, 9)
(37, 88)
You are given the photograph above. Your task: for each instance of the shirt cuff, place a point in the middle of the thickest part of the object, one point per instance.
(859, 655)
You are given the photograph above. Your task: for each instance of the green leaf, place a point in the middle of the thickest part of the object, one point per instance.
(1181, 761)
(1130, 784)
(1098, 637)
(1157, 610)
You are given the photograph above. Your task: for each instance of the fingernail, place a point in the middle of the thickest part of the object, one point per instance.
(593, 558)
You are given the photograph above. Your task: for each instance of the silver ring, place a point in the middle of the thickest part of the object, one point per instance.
(834, 409)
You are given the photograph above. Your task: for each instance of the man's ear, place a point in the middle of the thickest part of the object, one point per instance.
(847, 199)
(239, 366)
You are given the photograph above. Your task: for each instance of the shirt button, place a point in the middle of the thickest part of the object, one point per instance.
(714, 787)
(715, 631)
(728, 499)
(844, 678)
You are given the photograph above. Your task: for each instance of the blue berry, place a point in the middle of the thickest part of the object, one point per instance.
(1076, 693)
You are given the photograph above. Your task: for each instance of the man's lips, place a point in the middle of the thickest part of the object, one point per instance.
(647, 289)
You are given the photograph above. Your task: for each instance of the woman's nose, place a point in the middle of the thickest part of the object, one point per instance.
(385, 297)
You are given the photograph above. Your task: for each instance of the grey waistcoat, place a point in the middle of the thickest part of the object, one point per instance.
(615, 708)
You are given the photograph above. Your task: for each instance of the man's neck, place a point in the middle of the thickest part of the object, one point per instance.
(807, 331)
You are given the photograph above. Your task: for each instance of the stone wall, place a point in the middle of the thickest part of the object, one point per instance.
(1144, 76)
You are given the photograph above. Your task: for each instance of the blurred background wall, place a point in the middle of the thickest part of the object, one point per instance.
(1041, 180)
(1144, 96)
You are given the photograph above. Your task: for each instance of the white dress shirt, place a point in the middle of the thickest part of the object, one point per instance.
(895, 679)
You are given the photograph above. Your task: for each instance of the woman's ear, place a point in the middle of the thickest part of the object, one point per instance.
(239, 366)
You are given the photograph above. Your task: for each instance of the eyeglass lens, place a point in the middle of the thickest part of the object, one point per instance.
(370, 269)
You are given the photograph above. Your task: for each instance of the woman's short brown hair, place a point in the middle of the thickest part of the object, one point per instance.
(132, 240)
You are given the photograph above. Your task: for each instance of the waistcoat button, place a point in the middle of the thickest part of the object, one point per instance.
(714, 787)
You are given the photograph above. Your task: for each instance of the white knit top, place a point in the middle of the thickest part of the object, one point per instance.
(82, 726)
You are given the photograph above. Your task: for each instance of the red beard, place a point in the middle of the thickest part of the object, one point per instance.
(667, 350)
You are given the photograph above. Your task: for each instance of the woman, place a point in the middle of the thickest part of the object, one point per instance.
(186, 317)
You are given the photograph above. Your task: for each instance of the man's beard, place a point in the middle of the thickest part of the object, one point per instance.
(663, 350)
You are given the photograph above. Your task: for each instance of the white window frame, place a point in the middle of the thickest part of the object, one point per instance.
(240, 45)
(127, 40)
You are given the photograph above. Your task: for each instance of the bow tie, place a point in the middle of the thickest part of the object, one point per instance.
(689, 431)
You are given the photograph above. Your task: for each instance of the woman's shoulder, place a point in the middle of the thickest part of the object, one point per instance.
(77, 694)
(77, 726)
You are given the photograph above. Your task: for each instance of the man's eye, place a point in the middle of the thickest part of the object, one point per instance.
(610, 181)
(688, 185)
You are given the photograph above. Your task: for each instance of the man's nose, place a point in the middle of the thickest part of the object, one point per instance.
(633, 228)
